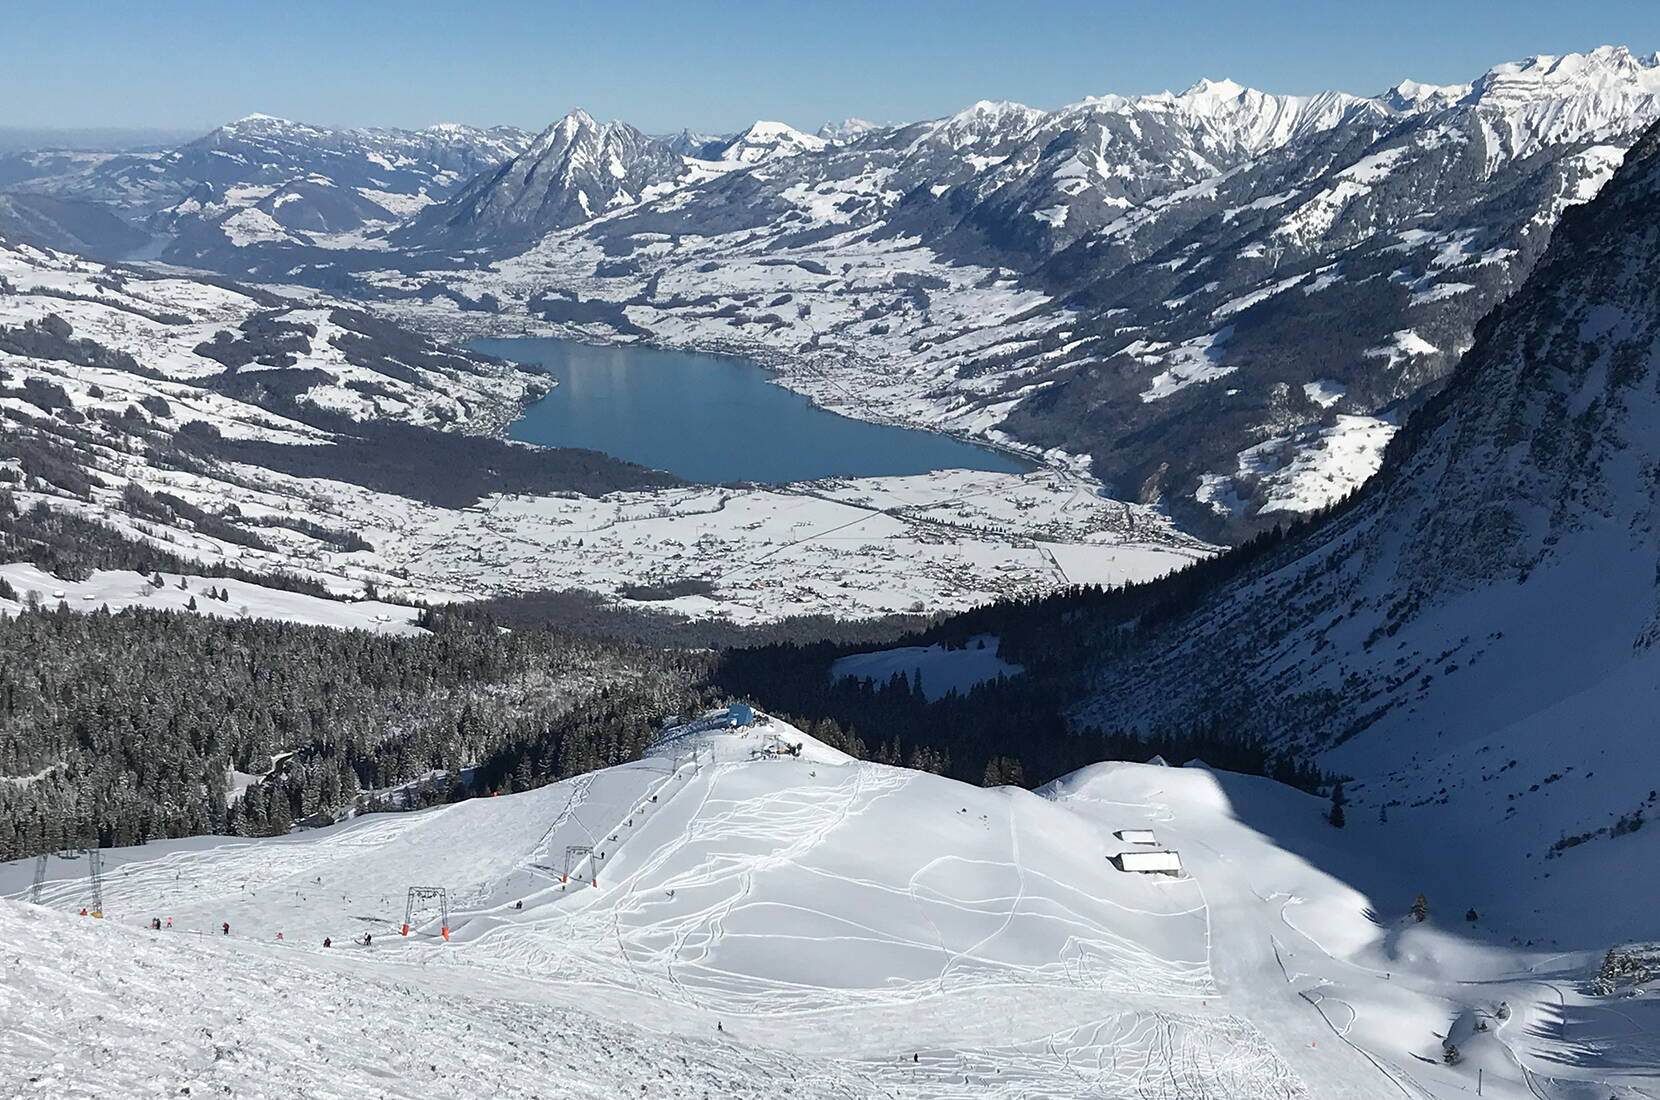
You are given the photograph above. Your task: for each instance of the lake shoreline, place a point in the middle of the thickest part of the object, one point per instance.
(686, 425)
(466, 331)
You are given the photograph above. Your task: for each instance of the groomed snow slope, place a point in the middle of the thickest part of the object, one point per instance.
(825, 920)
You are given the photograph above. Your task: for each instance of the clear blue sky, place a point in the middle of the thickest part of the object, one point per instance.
(719, 64)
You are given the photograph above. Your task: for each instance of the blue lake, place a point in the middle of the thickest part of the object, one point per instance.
(708, 418)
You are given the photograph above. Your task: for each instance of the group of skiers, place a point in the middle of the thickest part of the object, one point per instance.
(156, 924)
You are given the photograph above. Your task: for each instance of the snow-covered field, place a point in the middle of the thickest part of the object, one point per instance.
(940, 670)
(851, 547)
(118, 589)
(751, 923)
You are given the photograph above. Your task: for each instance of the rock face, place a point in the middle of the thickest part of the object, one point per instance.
(574, 170)
(1484, 615)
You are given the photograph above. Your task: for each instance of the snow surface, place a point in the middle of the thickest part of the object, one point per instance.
(941, 670)
(118, 589)
(812, 920)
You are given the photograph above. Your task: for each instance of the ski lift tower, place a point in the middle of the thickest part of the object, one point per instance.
(574, 855)
(424, 896)
(94, 874)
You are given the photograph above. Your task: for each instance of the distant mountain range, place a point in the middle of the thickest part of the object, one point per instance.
(1225, 300)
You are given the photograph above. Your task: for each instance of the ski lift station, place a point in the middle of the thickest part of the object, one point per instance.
(1155, 862)
(1136, 836)
(737, 716)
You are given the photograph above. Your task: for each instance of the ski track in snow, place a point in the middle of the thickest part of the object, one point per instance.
(855, 930)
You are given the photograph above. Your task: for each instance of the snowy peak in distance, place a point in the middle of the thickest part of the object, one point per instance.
(1411, 95)
(572, 171)
(848, 129)
(1228, 116)
(695, 144)
(767, 140)
(986, 119)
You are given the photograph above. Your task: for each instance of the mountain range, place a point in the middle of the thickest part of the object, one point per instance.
(1224, 301)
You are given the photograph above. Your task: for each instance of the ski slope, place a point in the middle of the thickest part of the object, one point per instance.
(748, 916)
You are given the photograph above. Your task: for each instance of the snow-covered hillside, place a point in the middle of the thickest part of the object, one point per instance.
(119, 589)
(850, 928)
(233, 428)
(1474, 640)
(937, 669)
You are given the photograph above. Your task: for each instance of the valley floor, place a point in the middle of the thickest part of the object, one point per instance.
(748, 924)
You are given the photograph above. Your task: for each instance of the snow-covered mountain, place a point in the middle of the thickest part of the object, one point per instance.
(262, 151)
(1475, 637)
(748, 911)
(67, 224)
(578, 170)
(767, 140)
(848, 129)
(575, 169)
(1227, 299)
(697, 145)
(249, 187)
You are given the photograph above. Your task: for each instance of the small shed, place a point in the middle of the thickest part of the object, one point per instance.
(1155, 862)
(739, 715)
(1136, 836)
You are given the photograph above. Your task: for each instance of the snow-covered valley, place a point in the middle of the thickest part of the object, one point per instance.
(850, 547)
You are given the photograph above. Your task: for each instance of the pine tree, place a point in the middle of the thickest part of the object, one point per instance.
(1337, 801)
(1420, 908)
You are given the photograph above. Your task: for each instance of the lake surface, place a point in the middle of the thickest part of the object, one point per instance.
(711, 419)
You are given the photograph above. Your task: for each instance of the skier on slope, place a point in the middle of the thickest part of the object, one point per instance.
(327, 942)
(225, 928)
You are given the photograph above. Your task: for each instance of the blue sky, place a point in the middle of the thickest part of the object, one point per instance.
(719, 65)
